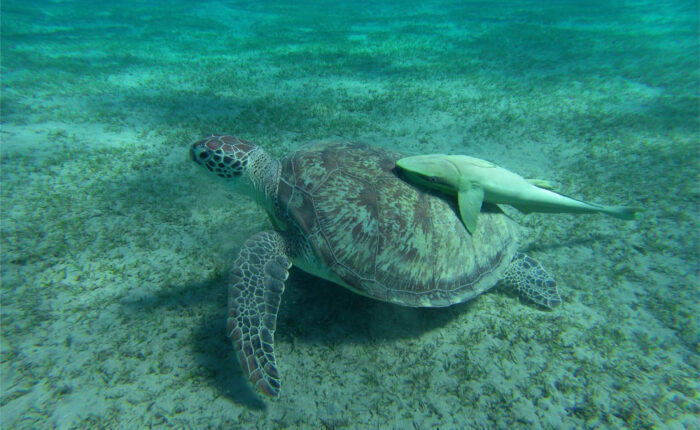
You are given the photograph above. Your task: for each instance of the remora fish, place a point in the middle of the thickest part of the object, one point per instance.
(475, 180)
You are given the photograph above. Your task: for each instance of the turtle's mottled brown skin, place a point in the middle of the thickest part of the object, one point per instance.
(343, 213)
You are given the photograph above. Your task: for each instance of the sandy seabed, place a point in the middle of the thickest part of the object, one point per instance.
(116, 249)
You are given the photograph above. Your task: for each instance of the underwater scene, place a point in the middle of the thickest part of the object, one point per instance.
(118, 250)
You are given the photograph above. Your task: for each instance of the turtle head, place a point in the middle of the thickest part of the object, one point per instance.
(247, 165)
(224, 156)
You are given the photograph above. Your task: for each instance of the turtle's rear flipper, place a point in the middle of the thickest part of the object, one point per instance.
(531, 280)
(257, 283)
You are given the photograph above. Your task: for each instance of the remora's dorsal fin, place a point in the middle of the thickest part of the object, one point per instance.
(470, 199)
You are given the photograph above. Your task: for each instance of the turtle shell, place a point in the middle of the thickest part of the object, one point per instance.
(384, 237)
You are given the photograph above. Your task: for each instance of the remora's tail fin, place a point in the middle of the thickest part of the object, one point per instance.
(621, 212)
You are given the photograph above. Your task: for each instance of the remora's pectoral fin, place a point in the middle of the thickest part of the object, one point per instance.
(470, 200)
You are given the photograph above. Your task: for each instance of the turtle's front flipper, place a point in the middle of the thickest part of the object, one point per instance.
(257, 283)
(530, 279)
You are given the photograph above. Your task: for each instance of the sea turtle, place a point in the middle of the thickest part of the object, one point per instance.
(341, 212)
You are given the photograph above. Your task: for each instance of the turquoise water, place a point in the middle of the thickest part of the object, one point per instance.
(116, 248)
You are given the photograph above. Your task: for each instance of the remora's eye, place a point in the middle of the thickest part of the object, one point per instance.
(433, 179)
